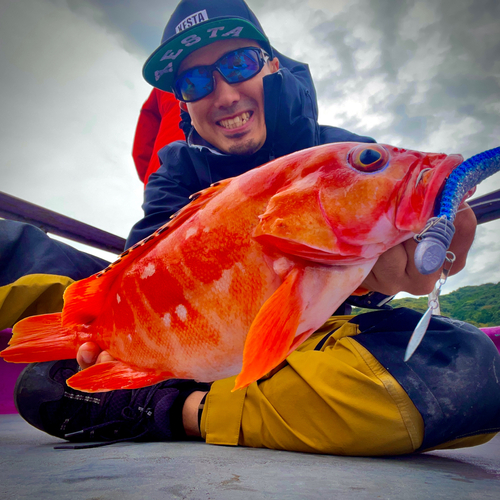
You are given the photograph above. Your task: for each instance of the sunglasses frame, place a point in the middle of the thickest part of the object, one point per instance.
(263, 56)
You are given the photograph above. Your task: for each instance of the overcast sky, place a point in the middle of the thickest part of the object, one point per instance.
(417, 74)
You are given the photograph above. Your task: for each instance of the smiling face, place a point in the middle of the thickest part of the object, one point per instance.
(231, 118)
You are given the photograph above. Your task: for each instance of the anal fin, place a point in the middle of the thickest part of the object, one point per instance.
(114, 375)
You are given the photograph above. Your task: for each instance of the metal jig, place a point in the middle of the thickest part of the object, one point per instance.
(432, 310)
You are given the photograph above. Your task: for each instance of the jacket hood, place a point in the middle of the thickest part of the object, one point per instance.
(291, 111)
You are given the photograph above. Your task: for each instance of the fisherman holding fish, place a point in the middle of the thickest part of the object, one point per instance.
(346, 389)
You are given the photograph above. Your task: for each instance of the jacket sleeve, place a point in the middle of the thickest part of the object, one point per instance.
(330, 134)
(145, 134)
(158, 126)
(169, 130)
(167, 190)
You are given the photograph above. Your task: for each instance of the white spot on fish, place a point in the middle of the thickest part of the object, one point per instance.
(118, 299)
(206, 229)
(191, 232)
(129, 336)
(181, 312)
(148, 271)
(223, 284)
(167, 319)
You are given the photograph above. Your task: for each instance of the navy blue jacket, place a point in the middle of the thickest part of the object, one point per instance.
(291, 112)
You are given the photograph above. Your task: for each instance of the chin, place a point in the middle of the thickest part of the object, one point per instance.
(245, 148)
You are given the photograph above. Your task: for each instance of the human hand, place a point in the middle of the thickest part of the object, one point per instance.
(395, 270)
(90, 354)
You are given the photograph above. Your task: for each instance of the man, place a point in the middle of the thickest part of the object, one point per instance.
(346, 390)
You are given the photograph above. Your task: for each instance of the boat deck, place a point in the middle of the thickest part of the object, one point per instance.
(31, 468)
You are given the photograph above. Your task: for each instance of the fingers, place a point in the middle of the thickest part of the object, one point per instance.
(87, 354)
(395, 270)
(418, 283)
(90, 353)
(387, 275)
(465, 228)
(104, 357)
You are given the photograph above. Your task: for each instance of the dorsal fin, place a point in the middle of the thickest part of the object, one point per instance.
(198, 201)
(84, 299)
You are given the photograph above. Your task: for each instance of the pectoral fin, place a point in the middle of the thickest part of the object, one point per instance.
(114, 375)
(301, 304)
(273, 331)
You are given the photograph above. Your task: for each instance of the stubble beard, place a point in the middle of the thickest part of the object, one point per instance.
(244, 148)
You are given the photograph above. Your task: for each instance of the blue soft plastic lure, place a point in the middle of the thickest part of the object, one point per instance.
(436, 237)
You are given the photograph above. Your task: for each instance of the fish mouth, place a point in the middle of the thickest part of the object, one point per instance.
(423, 189)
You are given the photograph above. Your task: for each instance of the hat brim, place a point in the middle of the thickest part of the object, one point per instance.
(162, 65)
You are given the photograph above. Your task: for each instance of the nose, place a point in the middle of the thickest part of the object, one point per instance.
(225, 94)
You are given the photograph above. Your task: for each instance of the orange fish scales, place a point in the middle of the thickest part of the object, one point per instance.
(211, 254)
(233, 300)
(184, 284)
(138, 319)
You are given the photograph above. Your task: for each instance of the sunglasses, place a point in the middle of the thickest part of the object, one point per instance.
(235, 67)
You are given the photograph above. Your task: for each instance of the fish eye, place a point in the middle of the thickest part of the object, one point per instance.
(368, 158)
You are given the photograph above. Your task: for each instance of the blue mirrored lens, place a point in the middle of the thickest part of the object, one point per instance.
(240, 65)
(195, 84)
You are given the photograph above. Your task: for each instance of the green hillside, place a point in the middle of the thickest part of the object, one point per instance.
(478, 305)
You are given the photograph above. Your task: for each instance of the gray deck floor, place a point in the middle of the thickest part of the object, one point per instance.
(31, 468)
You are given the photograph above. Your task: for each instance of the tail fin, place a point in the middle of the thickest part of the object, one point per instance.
(40, 338)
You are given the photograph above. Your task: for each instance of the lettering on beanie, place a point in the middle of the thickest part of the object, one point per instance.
(205, 36)
(193, 19)
(193, 40)
(167, 69)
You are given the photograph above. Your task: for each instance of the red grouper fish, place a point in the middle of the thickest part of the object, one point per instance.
(245, 272)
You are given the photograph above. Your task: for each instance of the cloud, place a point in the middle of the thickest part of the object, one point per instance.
(399, 70)
(72, 94)
(138, 25)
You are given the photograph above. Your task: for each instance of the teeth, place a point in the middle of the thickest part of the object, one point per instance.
(235, 122)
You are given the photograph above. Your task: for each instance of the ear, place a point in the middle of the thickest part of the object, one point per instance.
(274, 65)
(183, 106)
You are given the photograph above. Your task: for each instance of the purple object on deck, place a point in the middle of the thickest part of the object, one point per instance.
(493, 333)
(8, 376)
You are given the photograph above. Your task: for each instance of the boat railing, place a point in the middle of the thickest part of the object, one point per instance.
(60, 225)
